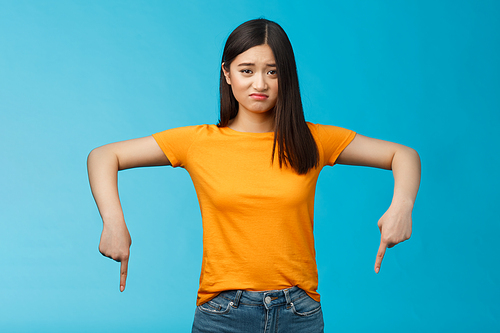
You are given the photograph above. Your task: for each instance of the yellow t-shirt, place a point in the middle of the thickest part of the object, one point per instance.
(257, 218)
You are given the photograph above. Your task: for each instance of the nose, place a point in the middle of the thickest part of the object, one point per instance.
(260, 83)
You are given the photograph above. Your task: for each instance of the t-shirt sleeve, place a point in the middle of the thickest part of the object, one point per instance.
(333, 141)
(175, 143)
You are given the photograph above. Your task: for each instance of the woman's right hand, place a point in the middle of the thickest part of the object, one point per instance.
(115, 244)
(103, 165)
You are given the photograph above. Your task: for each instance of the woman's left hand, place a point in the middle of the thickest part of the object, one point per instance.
(395, 227)
(395, 224)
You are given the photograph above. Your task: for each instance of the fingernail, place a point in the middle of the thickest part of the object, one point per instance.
(377, 269)
(122, 288)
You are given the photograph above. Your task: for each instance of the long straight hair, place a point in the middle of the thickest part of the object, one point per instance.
(295, 144)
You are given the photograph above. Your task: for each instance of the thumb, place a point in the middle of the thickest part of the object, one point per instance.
(123, 273)
(380, 256)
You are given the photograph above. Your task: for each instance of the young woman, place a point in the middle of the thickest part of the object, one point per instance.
(255, 175)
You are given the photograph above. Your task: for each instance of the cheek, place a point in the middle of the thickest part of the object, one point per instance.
(238, 87)
(275, 88)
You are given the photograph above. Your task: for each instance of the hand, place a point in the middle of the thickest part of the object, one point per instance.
(395, 227)
(115, 244)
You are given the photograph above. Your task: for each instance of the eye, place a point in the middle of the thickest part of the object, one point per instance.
(272, 72)
(246, 71)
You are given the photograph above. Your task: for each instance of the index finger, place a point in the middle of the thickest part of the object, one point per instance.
(380, 256)
(123, 273)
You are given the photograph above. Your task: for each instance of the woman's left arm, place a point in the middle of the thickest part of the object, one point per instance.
(395, 224)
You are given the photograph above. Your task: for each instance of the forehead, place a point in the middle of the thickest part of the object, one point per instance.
(260, 54)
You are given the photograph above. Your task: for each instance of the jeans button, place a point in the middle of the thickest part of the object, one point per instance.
(267, 299)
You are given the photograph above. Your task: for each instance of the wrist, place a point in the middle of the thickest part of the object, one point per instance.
(113, 220)
(402, 204)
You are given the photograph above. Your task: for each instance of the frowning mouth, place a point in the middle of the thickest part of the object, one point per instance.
(259, 97)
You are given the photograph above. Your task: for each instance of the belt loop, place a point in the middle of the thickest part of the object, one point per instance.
(236, 301)
(287, 296)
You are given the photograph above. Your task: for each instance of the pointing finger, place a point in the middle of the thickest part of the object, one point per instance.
(123, 273)
(380, 256)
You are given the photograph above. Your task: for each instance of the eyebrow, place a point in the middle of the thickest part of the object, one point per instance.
(252, 64)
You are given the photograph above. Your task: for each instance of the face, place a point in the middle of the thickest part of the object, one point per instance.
(254, 80)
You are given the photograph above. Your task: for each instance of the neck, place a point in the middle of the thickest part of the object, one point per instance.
(253, 122)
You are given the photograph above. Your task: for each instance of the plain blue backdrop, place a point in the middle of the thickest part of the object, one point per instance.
(75, 75)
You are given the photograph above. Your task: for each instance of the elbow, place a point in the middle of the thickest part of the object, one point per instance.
(101, 155)
(414, 154)
(93, 159)
(91, 156)
(406, 153)
(94, 154)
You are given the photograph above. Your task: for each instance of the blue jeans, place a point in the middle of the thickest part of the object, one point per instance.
(275, 311)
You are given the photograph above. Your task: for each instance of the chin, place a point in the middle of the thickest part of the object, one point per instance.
(262, 109)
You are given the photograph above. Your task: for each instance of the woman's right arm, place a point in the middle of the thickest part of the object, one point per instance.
(103, 164)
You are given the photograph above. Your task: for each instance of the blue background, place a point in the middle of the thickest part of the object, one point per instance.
(75, 75)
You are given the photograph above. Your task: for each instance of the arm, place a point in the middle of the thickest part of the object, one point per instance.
(103, 164)
(395, 224)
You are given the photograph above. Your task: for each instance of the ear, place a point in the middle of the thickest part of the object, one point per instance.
(226, 74)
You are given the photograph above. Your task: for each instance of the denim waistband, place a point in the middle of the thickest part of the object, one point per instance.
(267, 298)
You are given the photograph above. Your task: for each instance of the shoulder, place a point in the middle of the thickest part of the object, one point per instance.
(177, 142)
(331, 140)
(320, 131)
(187, 130)
(181, 135)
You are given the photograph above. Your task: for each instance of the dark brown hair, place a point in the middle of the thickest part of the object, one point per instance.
(296, 145)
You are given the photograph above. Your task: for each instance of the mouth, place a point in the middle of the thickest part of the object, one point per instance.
(259, 97)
